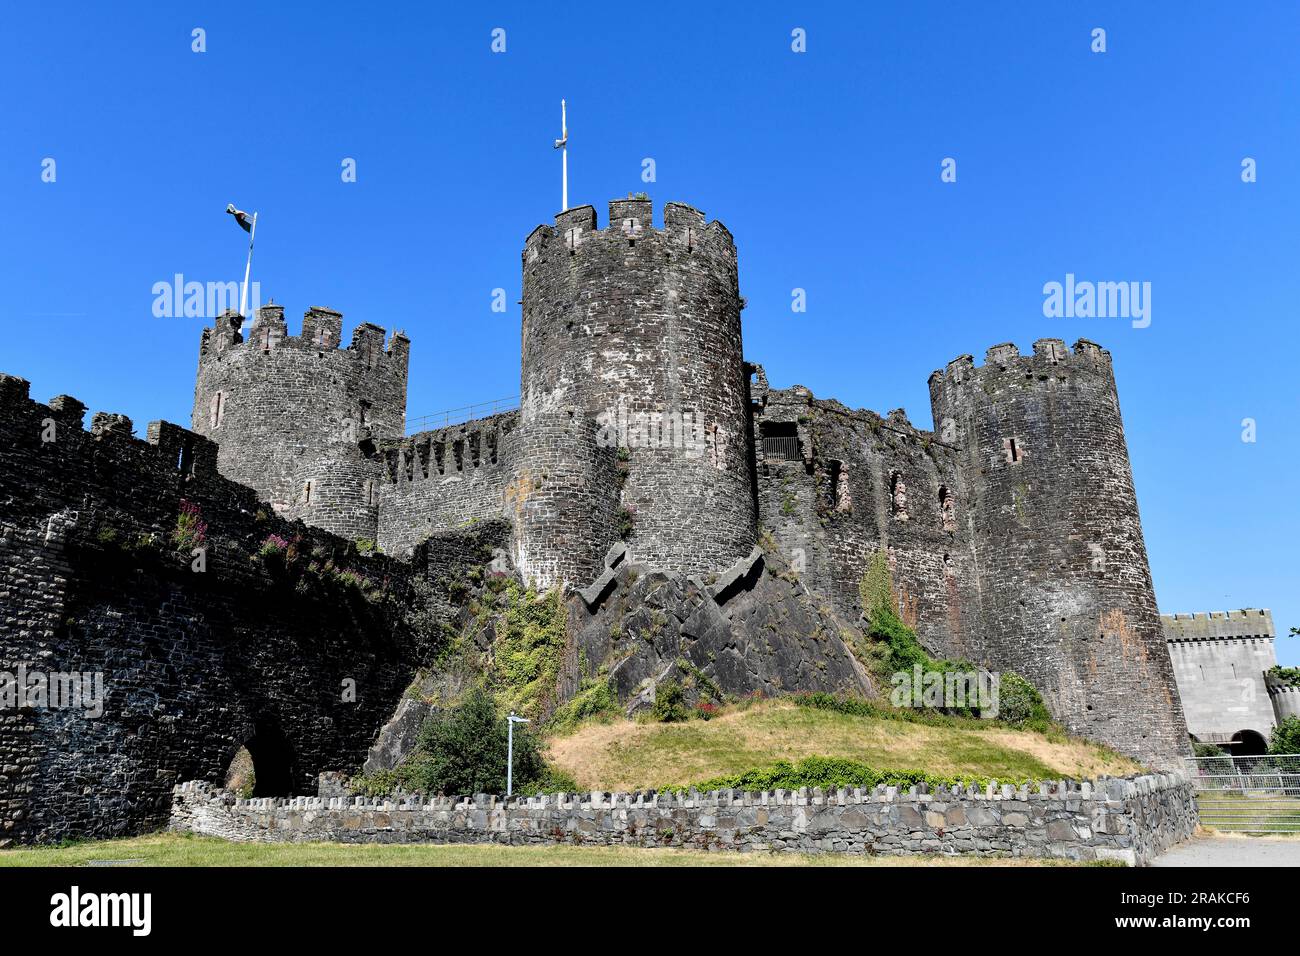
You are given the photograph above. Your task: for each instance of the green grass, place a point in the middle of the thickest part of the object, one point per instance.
(622, 755)
(170, 849)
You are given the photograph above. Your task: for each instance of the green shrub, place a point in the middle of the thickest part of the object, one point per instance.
(1020, 704)
(669, 706)
(1207, 750)
(531, 631)
(552, 780)
(594, 699)
(876, 589)
(1286, 737)
(191, 530)
(1287, 676)
(378, 783)
(463, 751)
(829, 773)
(625, 521)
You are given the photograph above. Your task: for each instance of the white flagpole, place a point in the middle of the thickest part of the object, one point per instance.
(243, 293)
(564, 158)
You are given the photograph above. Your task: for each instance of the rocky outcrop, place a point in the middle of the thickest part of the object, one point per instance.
(753, 629)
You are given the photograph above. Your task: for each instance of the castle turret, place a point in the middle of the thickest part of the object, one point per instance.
(638, 328)
(562, 498)
(293, 416)
(1065, 591)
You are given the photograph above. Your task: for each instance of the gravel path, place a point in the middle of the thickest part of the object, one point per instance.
(1233, 851)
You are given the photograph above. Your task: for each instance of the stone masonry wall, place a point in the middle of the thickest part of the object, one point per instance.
(439, 480)
(250, 651)
(835, 486)
(562, 498)
(1129, 820)
(639, 328)
(1219, 661)
(293, 415)
(1064, 589)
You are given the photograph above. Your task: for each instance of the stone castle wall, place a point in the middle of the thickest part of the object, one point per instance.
(562, 499)
(294, 416)
(836, 486)
(639, 327)
(1012, 529)
(1219, 660)
(1130, 821)
(1065, 592)
(438, 480)
(249, 651)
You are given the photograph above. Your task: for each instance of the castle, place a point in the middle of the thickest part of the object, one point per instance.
(1224, 663)
(1012, 528)
(643, 436)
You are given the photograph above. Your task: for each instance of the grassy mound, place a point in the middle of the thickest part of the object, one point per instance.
(622, 755)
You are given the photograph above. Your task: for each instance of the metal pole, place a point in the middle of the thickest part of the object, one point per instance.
(510, 750)
(564, 158)
(243, 293)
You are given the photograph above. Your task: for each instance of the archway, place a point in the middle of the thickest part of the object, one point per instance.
(1248, 743)
(273, 759)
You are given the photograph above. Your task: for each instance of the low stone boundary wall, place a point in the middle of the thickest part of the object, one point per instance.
(1130, 820)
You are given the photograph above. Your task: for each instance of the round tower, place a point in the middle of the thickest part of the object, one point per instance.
(562, 497)
(293, 416)
(639, 328)
(1066, 597)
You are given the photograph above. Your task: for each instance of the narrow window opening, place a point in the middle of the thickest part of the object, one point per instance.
(841, 500)
(946, 510)
(898, 495)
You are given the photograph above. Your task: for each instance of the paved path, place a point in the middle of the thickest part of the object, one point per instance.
(1233, 851)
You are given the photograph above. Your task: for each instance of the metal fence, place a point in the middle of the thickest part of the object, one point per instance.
(456, 416)
(781, 448)
(1248, 794)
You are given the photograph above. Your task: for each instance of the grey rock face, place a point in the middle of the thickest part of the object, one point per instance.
(769, 636)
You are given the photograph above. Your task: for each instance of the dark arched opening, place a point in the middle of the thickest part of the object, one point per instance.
(273, 761)
(1248, 743)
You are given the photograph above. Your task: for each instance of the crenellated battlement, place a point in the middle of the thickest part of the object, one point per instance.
(1130, 819)
(1242, 624)
(322, 332)
(296, 416)
(1050, 359)
(631, 222)
(59, 429)
(457, 450)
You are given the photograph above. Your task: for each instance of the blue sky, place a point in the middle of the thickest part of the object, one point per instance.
(825, 165)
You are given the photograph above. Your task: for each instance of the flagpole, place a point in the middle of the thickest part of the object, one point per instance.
(243, 293)
(564, 158)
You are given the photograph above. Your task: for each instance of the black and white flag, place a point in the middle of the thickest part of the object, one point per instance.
(244, 219)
